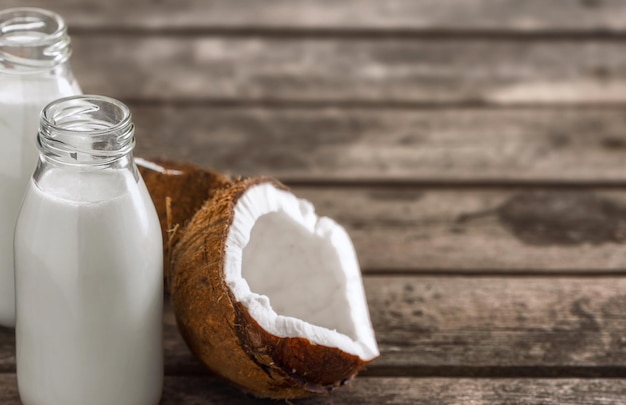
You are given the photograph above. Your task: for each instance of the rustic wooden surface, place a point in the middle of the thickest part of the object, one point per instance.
(403, 72)
(474, 149)
(576, 145)
(345, 16)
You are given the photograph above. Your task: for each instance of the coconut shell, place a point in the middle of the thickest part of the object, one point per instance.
(220, 331)
(178, 192)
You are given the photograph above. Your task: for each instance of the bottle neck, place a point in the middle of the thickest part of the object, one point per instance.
(32, 41)
(86, 131)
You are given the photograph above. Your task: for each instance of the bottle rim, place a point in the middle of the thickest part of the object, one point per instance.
(11, 16)
(86, 130)
(32, 39)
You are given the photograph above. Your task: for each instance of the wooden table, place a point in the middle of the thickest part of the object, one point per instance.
(474, 149)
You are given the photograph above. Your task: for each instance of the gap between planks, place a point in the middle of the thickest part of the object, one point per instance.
(489, 273)
(452, 372)
(456, 184)
(485, 372)
(349, 105)
(287, 33)
(489, 372)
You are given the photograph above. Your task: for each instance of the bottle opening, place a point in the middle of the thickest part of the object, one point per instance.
(32, 40)
(86, 129)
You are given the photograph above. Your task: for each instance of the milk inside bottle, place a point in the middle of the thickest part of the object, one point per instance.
(34, 70)
(88, 258)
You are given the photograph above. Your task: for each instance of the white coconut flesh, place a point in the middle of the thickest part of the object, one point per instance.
(297, 273)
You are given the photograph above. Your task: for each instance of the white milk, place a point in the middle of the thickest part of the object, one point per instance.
(21, 99)
(89, 286)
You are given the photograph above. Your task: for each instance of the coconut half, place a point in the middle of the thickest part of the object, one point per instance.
(178, 190)
(269, 295)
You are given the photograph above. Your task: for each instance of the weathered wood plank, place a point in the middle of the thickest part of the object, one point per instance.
(427, 391)
(330, 70)
(434, 325)
(511, 323)
(480, 229)
(7, 350)
(8, 390)
(390, 15)
(499, 322)
(449, 145)
(198, 391)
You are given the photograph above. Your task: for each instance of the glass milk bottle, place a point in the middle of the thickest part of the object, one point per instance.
(88, 264)
(34, 70)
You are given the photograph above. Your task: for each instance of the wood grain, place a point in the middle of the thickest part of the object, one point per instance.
(7, 350)
(8, 390)
(535, 145)
(439, 325)
(498, 322)
(206, 390)
(197, 391)
(473, 326)
(480, 230)
(354, 71)
(391, 15)
(435, 132)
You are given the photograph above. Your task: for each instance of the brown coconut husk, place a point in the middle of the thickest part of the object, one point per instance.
(178, 194)
(219, 330)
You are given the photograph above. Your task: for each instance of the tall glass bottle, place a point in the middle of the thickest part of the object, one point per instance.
(88, 264)
(34, 70)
